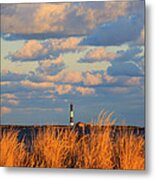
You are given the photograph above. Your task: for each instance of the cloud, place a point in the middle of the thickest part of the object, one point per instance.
(11, 88)
(51, 67)
(42, 18)
(13, 102)
(75, 77)
(65, 77)
(36, 85)
(109, 79)
(3, 83)
(133, 81)
(32, 50)
(47, 63)
(29, 36)
(9, 96)
(58, 20)
(128, 63)
(85, 90)
(59, 110)
(142, 34)
(52, 17)
(7, 77)
(5, 110)
(92, 79)
(141, 38)
(131, 54)
(98, 55)
(63, 89)
(64, 44)
(112, 33)
(118, 90)
(124, 69)
(9, 99)
(60, 89)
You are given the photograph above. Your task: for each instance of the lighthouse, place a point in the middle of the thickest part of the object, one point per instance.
(71, 115)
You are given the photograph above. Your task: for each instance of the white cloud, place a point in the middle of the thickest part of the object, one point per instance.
(92, 79)
(9, 96)
(63, 89)
(65, 76)
(10, 99)
(59, 19)
(98, 55)
(133, 81)
(85, 90)
(5, 110)
(118, 90)
(30, 84)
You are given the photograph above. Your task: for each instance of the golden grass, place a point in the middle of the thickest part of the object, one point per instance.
(101, 149)
(130, 151)
(12, 153)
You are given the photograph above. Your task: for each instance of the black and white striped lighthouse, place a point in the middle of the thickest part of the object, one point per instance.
(71, 115)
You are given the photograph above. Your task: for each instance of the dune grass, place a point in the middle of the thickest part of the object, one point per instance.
(99, 149)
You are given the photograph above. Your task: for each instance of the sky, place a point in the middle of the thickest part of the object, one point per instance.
(90, 54)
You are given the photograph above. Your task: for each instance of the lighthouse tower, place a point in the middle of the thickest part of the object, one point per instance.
(71, 115)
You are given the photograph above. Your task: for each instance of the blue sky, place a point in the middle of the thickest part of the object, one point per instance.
(87, 53)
